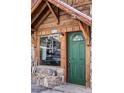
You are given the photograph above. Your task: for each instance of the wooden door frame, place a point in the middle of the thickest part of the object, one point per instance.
(86, 34)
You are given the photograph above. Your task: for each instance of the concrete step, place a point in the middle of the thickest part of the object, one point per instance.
(72, 88)
(37, 89)
(66, 88)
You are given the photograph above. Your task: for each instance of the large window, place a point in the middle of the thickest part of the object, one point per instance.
(50, 50)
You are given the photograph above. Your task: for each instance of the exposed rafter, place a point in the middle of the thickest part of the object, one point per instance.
(42, 19)
(40, 11)
(58, 14)
(35, 5)
(32, 29)
(53, 12)
(84, 31)
(65, 7)
(38, 19)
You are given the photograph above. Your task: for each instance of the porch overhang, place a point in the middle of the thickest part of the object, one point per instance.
(67, 8)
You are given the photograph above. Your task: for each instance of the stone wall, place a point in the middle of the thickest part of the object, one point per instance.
(49, 76)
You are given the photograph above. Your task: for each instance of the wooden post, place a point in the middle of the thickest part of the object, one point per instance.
(64, 54)
(88, 55)
(88, 60)
(37, 49)
(84, 28)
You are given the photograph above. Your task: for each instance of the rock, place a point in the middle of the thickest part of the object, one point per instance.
(50, 76)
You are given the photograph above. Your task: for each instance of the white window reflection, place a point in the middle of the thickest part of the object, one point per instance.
(77, 38)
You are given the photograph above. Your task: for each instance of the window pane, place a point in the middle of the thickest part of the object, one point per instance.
(50, 50)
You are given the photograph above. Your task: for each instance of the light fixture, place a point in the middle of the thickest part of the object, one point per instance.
(55, 31)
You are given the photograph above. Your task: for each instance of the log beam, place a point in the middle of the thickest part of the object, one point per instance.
(37, 49)
(32, 29)
(52, 11)
(84, 31)
(37, 15)
(42, 19)
(35, 5)
(67, 8)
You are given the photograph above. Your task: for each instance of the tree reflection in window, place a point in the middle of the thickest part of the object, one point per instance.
(50, 50)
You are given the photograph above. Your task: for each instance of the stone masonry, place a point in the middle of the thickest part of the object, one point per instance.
(48, 76)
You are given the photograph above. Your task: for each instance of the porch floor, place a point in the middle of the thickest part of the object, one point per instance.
(66, 88)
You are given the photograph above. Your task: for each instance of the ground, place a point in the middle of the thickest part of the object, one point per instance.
(66, 88)
(40, 89)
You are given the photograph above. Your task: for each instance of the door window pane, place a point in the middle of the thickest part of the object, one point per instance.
(77, 38)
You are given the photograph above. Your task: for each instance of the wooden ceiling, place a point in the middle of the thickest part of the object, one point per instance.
(42, 8)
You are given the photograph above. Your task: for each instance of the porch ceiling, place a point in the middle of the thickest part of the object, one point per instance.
(40, 11)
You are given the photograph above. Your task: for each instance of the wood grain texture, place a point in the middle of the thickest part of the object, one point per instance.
(52, 11)
(81, 16)
(35, 5)
(64, 55)
(86, 32)
(67, 24)
(42, 19)
(36, 15)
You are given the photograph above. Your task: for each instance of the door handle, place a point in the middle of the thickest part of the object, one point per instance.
(69, 60)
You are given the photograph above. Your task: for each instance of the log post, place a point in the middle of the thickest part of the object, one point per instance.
(37, 48)
(64, 54)
(86, 32)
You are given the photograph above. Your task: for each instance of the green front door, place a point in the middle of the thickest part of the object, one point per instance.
(76, 58)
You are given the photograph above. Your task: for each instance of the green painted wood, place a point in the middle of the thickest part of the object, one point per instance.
(76, 58)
